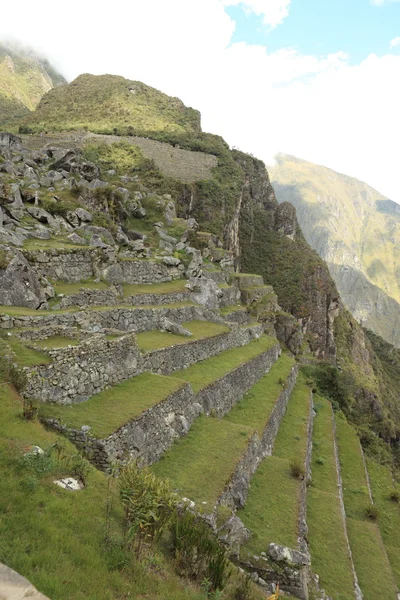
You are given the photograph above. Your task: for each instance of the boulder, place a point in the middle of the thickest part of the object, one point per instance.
(291, 557)
(204, 291)
(74, 238)
(169, 212)
(97, 242)
(19, 284)
(234, 534)
(10, 141)
(171, 261)
(100, 231)
(15, 587)
(83, 215)
(175, 328)
(194, 267)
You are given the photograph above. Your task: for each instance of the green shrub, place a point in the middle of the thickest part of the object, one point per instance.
(320, 460)
(148, 505)
(297, 469)
(372, 512)
(395, 496)
(39, 463)
(198, 555)
(243, 590)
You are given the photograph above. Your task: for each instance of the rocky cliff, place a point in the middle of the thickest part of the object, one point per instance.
(356, 231)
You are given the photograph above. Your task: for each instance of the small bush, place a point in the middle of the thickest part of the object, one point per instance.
(197, 552)
(148, 505)
(39, 463)
(395, 496)
(320, 460)
(297, 469)
(243, 590)
(371, 511)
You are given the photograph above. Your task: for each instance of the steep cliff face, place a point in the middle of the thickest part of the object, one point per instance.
(24, 79)
(357, 233)
(271, 244)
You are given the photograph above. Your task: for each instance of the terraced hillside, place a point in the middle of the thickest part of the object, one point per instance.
(140, 350)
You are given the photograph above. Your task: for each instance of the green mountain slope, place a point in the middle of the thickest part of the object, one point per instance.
(24, 78)
(356, 231)
(110, 103)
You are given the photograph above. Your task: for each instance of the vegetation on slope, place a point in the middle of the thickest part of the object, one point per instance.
(24, 78)
(324, 519)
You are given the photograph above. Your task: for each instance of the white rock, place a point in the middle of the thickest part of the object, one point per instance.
(69, 483)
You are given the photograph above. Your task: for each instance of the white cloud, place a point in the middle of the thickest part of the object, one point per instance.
(319, 108)
(273, 12)
(395, 42)
(382, 2)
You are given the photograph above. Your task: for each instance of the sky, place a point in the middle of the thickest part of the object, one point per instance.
(319, 79)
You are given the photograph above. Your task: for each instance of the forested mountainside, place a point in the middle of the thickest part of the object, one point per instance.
(24, 78)
(356, 231)
(160, 307)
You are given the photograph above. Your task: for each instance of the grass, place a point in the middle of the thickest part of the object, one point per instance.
(152, 340)
(170, 287)
(272, 508)
(200, 464)
(57, 341)
(22, 311)
(324, 518)
(207, 371)
(370, 559)
(260, 400)
(74, 288)
(110, 409)
(59, 244)
(389, 512)
(26, 357)
(57, 539)
(230, 309)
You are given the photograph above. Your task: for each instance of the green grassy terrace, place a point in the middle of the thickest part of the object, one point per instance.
(57, 341)
(272, 508)
(112, 408)
(23, 311)
(230, 309)
(153, 340)
(26, 357)
(57, 539)
(389, 512)
(169, 287)
(208, 371)
(325, 524)
(200, 465)
(370, 559)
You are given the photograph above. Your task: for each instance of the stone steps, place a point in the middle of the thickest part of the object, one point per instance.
(276, 504)
(146, 435)
(213, 464)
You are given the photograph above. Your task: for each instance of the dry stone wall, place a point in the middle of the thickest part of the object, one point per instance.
(78, 372)
(175, 358)
(148, 436)
(112, 297)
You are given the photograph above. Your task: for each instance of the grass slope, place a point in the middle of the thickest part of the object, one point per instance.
(103, 103)
(152, 340)
(110, 409)
(56, 538)
(324, 518)
(370, 559)
(383, 486)
(207, 371)
(272, 508)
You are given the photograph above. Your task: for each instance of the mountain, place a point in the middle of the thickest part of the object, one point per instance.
(24, 78)
(109, 103)
(160, 307)
(356, 230)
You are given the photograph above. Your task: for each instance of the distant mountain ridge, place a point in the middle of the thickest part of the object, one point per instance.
(356, 230)
(24, 78)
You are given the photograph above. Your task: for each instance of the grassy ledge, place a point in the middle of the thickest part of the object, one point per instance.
(389, 512)
(207, 371)
(75, 287)
(153, 340)
(370, 559)
(26, 357)
(57, 539)
(272, 507)
(110, 409)
(57, 341)
(200, 464)
(170, 287)
(325, 524)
